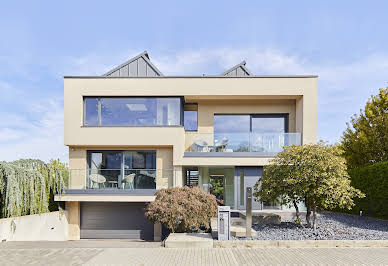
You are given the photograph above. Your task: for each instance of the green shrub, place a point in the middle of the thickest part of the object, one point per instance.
(373, 181)
(182, 209)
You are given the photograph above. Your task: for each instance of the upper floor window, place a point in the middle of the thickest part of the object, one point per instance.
(191, 117)
(131, 111)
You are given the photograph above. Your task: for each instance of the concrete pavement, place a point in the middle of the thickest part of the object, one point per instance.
(129, 253)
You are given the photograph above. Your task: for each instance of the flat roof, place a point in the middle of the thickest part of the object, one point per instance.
(164, 77)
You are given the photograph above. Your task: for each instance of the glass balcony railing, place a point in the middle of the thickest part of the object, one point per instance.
(241, 142)
(121, 179)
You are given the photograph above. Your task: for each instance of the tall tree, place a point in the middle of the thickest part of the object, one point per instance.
(314, 174)
(365, 141)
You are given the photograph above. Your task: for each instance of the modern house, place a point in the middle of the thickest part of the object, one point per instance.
(133, 131)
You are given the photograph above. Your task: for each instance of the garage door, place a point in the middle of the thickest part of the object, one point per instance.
(115, 220)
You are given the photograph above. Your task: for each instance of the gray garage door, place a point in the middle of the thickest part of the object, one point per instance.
(115, 220)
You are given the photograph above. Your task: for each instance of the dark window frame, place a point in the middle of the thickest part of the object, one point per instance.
(89, 152)
(156, 97)
(262, 115)
(186, 104)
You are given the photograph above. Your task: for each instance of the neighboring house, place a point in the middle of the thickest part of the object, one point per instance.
(133, 131)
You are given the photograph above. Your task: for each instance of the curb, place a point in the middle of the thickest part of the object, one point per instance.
(299, 243)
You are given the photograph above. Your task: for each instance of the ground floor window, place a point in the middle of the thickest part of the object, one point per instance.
(132, 169)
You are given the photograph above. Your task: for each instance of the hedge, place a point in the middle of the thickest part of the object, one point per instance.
(373, 181)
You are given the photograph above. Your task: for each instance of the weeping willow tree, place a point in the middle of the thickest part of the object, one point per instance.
(28, 186)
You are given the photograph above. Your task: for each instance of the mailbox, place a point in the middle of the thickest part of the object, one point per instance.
(223, 223)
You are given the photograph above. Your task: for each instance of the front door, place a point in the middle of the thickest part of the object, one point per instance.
(246, 177)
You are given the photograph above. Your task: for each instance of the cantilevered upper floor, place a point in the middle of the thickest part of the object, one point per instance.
(234, 118)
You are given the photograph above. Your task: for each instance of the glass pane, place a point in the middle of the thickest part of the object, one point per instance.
(91, 112)
(96, 160)
(231, 132)
(140, 111)
(191, 120)
(105, 169)
(168, 111)
(268, 125)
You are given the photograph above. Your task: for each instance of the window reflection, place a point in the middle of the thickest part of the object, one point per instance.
(119, 111)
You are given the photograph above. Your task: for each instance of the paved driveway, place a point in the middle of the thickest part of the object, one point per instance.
(141, 253)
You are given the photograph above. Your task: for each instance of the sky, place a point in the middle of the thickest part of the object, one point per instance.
(344, 42)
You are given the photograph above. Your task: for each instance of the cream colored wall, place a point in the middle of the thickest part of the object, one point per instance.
(208, 108)
(78, 164)
(299, 95)
(74, 217)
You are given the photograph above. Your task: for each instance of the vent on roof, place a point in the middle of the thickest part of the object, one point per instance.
(239, 70)
(139, 66)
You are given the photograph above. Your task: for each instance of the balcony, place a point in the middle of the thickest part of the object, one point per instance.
(118, 181)
(239, 144)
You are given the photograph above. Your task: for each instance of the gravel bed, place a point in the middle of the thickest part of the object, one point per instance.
(331, 226)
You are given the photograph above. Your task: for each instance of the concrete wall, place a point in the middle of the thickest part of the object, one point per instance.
(301, 93)
(52, 226)
(296, 96)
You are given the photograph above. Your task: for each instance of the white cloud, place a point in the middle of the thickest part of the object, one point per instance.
(22, 136)
(343, 90)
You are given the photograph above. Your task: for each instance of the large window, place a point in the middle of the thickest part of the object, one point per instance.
(129, 111)
(122, 169)
(256, 132)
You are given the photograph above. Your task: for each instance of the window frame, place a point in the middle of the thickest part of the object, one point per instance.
(181, 100)
(183, 110)
(89, 152)
(261, 115)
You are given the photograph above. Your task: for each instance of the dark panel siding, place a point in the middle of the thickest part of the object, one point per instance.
(115, 220)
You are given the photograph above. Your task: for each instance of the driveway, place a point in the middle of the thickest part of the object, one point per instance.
(148, 253)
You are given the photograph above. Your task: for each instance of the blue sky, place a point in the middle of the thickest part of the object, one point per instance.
(344, 42)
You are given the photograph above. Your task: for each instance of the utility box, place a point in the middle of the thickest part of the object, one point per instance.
(223, 222)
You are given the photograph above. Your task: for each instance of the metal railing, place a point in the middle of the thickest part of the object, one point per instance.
(241, 142)
(121, 179)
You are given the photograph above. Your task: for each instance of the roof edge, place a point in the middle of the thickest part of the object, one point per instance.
(216, 76)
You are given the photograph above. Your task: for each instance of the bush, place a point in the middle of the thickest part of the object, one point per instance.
(182, 209)
(373, 181)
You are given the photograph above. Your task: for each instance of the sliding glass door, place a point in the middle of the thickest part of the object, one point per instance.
(267, 132)
(250, 132)
(121, 169)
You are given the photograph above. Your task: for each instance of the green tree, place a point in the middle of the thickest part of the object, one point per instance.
(314, 174)
(365, 141)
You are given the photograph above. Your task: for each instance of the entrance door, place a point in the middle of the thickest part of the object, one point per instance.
(246, 177)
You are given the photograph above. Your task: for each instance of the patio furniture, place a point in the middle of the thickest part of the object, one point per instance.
(129, 179)
(200, 146)
(97, 180)
(221, 145)
(113, 184)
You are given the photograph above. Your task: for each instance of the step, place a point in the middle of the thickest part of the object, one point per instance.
(237, 221)
(240, 231)
(189, 240)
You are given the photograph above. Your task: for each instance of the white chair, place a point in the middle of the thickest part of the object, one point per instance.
(221, 145)
(201, 146)
(129, 179)
(97, 179)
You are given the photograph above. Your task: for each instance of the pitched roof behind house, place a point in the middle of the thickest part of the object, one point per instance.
(239, 70)
(138, 66)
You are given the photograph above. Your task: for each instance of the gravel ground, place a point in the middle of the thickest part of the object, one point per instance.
(331, 226)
